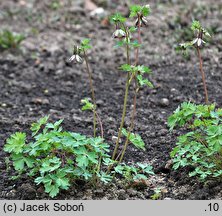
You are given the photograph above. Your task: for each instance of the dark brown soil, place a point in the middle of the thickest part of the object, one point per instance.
(37, 80)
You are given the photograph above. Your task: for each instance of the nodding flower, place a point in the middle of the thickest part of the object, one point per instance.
(76, 55)
(119, 33)
(141, 21)
(199, 40)
(76, 59)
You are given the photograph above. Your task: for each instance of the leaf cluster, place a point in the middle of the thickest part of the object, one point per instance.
(117, 18)
(56, 158)
(87, 105)
(201, 146)
(197, 29)
(85, 44)
(135, 139)
(136, 10)
(134, 172)
(139, 72)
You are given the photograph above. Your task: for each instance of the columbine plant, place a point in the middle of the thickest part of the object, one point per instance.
(197, 43)
(135, 72)
(57, 158)
(79, 55)
(201, 146)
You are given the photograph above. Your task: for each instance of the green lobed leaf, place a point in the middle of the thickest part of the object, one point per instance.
(106, 178)
(145, 10)
(117, 18)
(37, 126)
(53, 190)
(137, 9)
(82, 160)
(63, 183)
(119, 169)
(134, 10)
(15, 143)
(143, 81)
(49, 165)
(135, 44)
(126, 67)
(18, 162)
(85, 45)
(196, 25)
(87, 105)
(135, 139)
(132, 29)
(146, 168)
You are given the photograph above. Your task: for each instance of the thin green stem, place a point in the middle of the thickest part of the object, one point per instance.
(100, 123)
(125, 96)
(99, 164)
(92, 91)
(123, 118)
(135, 95)
(203, 75)
(131, 127)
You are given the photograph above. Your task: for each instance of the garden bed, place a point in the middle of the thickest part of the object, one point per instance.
(38, 80)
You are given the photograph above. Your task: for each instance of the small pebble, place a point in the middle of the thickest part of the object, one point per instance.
(114, 139)
(164, 102)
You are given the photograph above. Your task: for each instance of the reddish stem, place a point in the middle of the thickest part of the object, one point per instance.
(203, 75)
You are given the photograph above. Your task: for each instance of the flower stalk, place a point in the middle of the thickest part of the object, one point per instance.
(134, 73)
(136, 90)
(197, 43)
(203, 75)
(125, 96)
(92, 92)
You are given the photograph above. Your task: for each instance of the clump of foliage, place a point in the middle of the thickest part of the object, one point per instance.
(57, 158)
(10, 39)
(197, 43)
(135, 72)
(201, 146)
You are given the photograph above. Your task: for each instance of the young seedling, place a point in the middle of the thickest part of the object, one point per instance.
(134, 71)
(197, 43)
(10, 39)
(79, 55)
